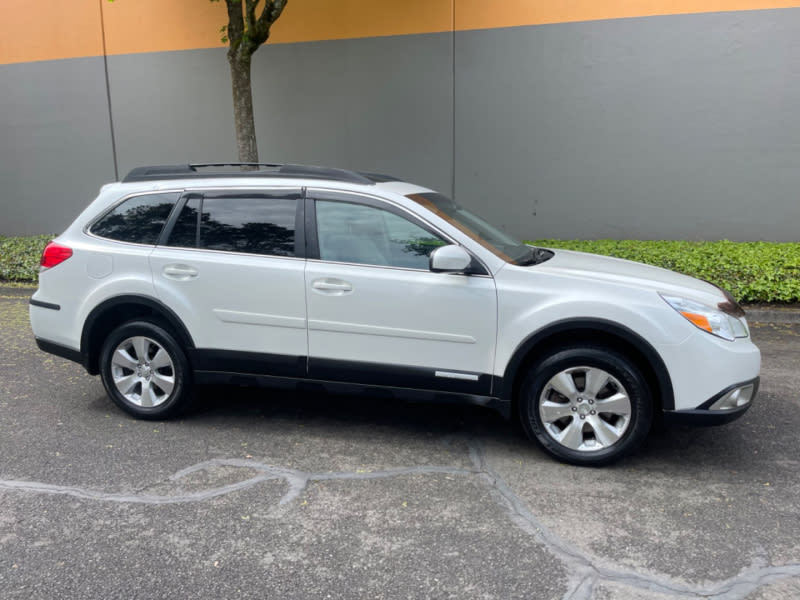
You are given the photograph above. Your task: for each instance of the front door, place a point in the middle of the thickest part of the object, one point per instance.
(377, 315)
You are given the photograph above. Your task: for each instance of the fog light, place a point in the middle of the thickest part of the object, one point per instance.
(735, 398)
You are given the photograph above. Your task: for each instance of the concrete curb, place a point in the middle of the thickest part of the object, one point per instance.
(772, 315)
(16, 292)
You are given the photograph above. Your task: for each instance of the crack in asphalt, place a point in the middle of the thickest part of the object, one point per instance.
(586, 572)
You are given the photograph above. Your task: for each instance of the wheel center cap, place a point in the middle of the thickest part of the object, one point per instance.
(144, 372)
(584, 409)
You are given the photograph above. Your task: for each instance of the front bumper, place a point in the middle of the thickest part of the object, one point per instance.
(705, 415)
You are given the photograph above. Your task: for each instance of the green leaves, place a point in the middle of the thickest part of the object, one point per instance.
(751, 271)
(19, 257)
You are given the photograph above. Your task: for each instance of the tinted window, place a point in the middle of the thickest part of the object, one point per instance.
(366, 235)
(139, 219)
(254, 225)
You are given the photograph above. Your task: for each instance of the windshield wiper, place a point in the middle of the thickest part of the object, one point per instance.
(536, 256)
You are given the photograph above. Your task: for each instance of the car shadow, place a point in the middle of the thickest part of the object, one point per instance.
(732, 447)
(368, 408)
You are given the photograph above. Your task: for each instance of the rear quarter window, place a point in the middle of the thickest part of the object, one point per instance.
(137, 220)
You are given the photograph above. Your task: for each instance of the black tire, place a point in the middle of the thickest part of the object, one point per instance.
(582, 423)
(156, 385)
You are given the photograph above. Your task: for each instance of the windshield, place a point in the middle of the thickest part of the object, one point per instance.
(490, 237)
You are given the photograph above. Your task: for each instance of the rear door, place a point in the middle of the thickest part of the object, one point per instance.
(231, 267)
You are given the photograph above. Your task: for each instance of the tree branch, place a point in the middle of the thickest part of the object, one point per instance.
(269, 14)
(272, 10)
(235, 24)
(250, 19)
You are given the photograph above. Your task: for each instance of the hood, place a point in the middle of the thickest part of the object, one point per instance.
(585, 266)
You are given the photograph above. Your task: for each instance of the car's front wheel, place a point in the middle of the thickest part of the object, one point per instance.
(145, 371)
(586, 405)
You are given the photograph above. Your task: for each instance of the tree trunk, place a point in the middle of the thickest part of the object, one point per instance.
(243, 106)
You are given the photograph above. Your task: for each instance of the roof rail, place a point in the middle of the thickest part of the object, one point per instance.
(240, 169)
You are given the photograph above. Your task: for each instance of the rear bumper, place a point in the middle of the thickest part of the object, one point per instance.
(59, 350)
(704, 415)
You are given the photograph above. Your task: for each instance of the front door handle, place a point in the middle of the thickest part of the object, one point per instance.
(331, 286)
(180, 272)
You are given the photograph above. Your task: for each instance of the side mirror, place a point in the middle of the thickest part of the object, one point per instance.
(450, 259)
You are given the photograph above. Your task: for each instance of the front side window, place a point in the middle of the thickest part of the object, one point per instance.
(257, 224)
(361, 234)
(138, 220)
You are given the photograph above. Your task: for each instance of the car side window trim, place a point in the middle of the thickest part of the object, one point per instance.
(167, 231)
(310, 228)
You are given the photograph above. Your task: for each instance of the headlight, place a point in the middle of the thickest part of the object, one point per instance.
(709, 319)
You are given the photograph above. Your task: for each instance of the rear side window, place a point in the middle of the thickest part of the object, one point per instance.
(259, 224)
(138, 220)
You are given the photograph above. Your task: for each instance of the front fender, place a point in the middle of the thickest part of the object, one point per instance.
(540, 343)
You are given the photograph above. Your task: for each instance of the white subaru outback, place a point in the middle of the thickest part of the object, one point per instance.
(189, 274)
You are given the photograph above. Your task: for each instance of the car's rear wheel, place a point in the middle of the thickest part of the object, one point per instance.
(145, 371)
(586, 405)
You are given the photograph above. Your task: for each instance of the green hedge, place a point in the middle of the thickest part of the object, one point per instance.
(752, 271)
(19, 257)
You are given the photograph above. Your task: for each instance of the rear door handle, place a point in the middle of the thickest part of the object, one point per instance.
(180, 272)
(331, 286)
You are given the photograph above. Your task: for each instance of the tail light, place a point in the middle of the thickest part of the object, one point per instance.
(54, 254)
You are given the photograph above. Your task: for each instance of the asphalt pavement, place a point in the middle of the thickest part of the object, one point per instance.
(265, 494)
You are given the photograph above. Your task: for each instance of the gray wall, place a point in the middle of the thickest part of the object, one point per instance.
(665, 127)
(676, 127)
(55, 143)
(378, 104)
(171, 108)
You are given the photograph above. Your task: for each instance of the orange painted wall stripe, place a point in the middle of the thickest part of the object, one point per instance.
(480, 14)
(313, 20)
(134, 26)
(158, 25)
(72, 28)
(43, 31)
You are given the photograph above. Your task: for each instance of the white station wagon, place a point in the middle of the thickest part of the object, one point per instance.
(189, 274)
